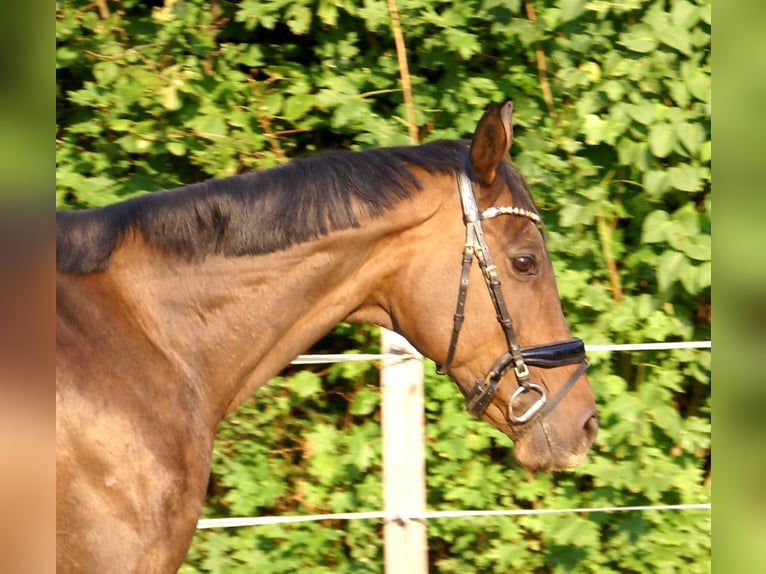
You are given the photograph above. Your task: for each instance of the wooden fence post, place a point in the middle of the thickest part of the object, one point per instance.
(404, 484)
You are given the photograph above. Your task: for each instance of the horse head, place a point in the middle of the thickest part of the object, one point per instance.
(507, 344)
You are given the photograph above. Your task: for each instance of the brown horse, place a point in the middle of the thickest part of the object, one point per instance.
(174, 307)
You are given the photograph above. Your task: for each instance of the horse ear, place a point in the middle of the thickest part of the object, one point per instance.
(491, 141)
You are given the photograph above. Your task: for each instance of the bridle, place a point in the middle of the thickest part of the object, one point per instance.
(547, 356)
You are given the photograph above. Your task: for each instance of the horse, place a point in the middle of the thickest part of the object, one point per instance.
(173, 307)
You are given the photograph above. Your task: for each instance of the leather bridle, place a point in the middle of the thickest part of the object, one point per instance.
(547, 356)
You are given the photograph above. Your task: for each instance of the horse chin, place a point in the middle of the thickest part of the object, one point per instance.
(540, 447)
(536, 451)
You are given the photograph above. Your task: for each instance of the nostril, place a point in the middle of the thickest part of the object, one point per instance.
(591, 427)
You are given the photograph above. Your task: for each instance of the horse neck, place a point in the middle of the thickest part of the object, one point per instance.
(234, 322)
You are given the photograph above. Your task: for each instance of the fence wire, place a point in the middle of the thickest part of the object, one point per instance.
(309, 359)
(362, 357)
(236, 522)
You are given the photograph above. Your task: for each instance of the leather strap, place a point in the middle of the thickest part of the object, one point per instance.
(555, 354)
(457, 321)
(546, 356)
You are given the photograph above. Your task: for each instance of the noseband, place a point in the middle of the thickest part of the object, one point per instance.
(547, 356)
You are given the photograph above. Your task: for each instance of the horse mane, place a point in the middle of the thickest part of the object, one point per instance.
(264, 211)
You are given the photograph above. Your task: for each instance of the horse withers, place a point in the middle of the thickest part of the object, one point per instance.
(174, 307)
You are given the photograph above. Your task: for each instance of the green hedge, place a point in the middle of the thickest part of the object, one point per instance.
(612, 132)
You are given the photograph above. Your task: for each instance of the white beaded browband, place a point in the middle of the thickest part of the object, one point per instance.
(510, 210)
(467, 199)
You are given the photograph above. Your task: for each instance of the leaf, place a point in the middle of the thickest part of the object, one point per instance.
(644, 305)
(690, 135)
(298, 18)
(689, 277)
(106, 73)
(704, 275)
(571, 9)
(466, 43)
(253, 13)
(176, 148)
(593, 128)
(688, 219)
(209, 126)
(656, 182)
(305, 383)
(640, 39)
(668, 268)
(270, 104)
(341, 502)
(656, 226)
(365, 401)
(643, 113)
(569, 215)
(614, 90)
(666, 418)
(625, 150)
(298, 106)
(679, 93)
(695, 278)
(678, 38)
(66, 56)
(684, 14)
(685, 177)
(121, 124)
(347, 113)
(132, 143)
(662, 139)
(525, 30)
(252, 57)
(698, 247)
(169, 97)
(328, 12)
(571, 530)
(697, 81)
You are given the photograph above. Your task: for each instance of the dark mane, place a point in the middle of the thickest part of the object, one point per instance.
(263, 211)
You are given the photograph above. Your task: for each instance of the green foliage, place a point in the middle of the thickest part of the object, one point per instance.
(155, 95)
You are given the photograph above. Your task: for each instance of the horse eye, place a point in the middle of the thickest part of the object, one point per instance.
(525, 264)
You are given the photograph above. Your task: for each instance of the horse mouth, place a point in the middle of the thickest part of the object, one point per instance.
(549, 461)
(541, 448)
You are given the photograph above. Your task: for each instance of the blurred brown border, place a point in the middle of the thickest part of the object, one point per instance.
(27, 288)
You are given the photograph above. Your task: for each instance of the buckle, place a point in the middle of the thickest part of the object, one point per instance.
(522, 374)
(533, 409)
(482, 393)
